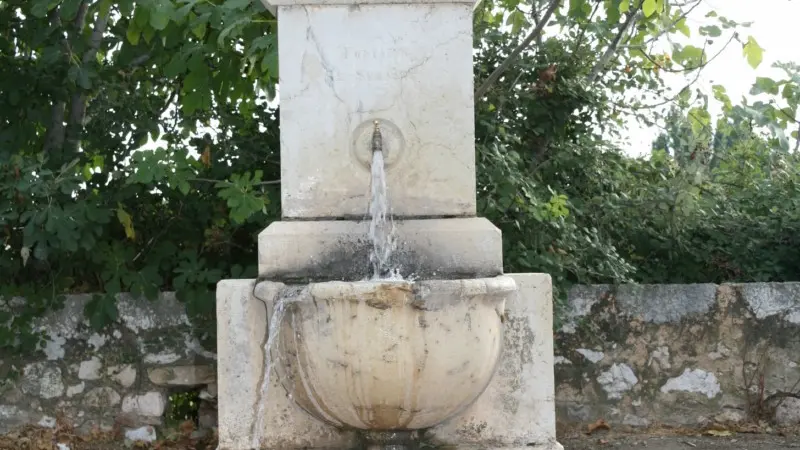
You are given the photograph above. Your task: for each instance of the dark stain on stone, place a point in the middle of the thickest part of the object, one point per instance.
(339, 364)
(377, 304)
(349, 261)
(455, 371)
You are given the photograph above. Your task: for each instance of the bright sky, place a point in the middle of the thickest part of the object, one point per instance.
(773, 25)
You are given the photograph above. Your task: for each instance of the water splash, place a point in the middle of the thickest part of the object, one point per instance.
(280, 308)
(381, 226)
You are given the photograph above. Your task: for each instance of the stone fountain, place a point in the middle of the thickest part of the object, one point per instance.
(437, 345)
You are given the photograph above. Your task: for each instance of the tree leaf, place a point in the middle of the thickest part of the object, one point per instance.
(69, 9)
(517, 20)
(648, 7)
(753, 52)
(236, 4)
(160, 16)
(40, 8)
(269, 64)
(133, 34)
(126, 221)
(683, 28)
(711, 31)
(765, 85)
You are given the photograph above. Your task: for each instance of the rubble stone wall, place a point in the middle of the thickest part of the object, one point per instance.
(679, 355)
(122, 377)
(634, 355)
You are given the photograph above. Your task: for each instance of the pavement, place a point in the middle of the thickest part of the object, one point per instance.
(610, 441)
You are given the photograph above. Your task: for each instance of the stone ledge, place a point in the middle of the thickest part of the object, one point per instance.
(339, 250)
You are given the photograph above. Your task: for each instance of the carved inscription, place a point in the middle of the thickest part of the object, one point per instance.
(372, 64)
(366, 54)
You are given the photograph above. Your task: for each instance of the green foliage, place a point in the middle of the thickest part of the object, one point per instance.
(137, 152)
(83, 207)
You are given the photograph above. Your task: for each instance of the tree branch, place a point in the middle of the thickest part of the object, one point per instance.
(675, 22)
(78, 104)
(612, 47)
(498, 72)
(54, 138)
(582, 33)
(536, 21)
(80, 17)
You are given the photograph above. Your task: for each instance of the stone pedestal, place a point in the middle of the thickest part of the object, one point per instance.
(515, 412)
(405, 65)
(347, 63)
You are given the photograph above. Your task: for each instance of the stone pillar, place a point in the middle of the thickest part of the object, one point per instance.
(345, 64)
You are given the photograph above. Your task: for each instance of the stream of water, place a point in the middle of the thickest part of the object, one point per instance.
(279, 312)
(381, 233)
(381, 226)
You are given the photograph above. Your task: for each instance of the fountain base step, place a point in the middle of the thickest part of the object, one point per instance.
(517, 407)
(302, 251)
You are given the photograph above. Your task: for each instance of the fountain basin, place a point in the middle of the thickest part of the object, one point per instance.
(390, 355)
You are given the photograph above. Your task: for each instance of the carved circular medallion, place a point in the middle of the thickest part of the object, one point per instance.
(392, 142)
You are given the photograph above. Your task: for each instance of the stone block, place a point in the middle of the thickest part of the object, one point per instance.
(124, 374)
(515, 412)
(151, 404)
(339, 250)
(90, 369)
(42, 380)
(412, 73)
(182, 375)
(101, 398)
(788, 412)
(242, 322)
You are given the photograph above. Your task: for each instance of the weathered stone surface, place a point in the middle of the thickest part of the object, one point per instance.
(508, 415)
(689, 348)
(150, 404)
(12, 417)
(517, 409)
(94, 371)
(42, 380)
(413, 73)
(210, 391)
(166, 357)
(141, 434)
(788, 412)
(91, 369)
(591, 355)
(730, 416)
(97, 341)
(182, 375)
(54, 348)
(695, 381)
(47, 422)
(125, 375)
(10, 393)
(339, 250)
(74, 390)
(241, 323)
(617, 380)
(665, 303)
(164, 312)
(101, 397)
(773, 299)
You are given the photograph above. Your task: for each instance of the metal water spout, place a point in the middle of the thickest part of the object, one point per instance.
(377, 138)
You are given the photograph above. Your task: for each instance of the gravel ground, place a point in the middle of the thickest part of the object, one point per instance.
(639, 442)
